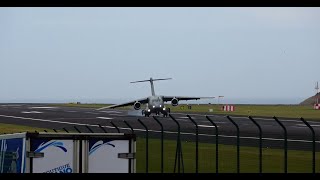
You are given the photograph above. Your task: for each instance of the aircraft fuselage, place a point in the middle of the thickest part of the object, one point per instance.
(155, 105)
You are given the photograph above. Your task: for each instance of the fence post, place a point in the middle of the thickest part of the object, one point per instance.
(45, 131)
(147, 145)
(238, 144)
(132, 131)
(115, 126)
(197, 143)
(65, 130)
(76, 129)
(161, 141)
(54, 130)
(313, 145)
(217, 151)
(260, 143)
(179, 148)
(285, 145)
(102, 128)
(89, 129)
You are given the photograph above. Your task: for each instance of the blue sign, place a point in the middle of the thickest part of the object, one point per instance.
(11, 158)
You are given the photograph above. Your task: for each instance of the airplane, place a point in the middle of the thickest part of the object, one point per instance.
(154, 103)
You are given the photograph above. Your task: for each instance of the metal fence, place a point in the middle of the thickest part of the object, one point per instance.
(146, 128)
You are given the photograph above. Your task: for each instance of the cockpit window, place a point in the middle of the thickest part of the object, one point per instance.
(158, 99)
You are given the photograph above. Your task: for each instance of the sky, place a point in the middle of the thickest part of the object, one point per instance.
(255, 55)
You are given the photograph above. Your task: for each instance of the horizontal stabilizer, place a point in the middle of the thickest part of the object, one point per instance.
(162, 79)
(149, 80)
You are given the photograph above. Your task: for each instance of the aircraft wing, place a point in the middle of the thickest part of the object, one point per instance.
(169, 98)
(142, 101)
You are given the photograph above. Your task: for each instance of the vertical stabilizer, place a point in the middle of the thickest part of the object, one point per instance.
(152, 87)
(317, 93)
(151, 83)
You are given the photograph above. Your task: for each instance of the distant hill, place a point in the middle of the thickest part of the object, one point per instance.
(311, 100)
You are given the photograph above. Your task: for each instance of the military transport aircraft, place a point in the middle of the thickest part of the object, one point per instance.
(154, 103)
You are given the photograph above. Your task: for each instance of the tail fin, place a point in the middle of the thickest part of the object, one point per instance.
(151, 82)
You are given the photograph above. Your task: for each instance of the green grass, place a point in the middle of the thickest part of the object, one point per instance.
(11, 128)
(281, 111)
(284, 111)
(298, 161)
(273, 161)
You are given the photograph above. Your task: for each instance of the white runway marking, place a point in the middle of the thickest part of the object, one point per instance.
(184, 117)
(43, 120)
(312, 125)
(206, 126)
(220, 122)
(116, 115)
(50, 109)
(91, 113)
(112, 112)
(104, 118)
(169, 132)
(31, 112)
(183, 120)
(43, 107)
(71, 118)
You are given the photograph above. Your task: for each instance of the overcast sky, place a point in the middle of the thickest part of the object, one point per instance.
(247, 55)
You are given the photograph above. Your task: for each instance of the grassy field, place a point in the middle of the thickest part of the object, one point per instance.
(273, 161)
(285, 111)
(298, 161)
(11, 128)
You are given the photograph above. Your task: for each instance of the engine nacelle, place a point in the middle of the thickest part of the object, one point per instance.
(137, 105)
(174, 102)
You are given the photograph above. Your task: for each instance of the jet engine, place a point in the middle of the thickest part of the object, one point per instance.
(137, 105)
(174, 102)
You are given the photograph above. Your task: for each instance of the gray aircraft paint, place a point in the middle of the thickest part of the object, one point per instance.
(154, 103)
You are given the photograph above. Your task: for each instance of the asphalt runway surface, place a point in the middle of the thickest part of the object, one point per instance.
(51, 117)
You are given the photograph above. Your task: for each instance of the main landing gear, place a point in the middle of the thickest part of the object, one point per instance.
(145, 114)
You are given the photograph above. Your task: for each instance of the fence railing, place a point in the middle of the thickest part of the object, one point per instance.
(147, 128)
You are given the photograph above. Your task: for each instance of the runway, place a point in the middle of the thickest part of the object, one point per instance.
(49, 117)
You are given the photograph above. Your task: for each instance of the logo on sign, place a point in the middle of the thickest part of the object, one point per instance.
(61, 169)
(57, 144)
(98, 145)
